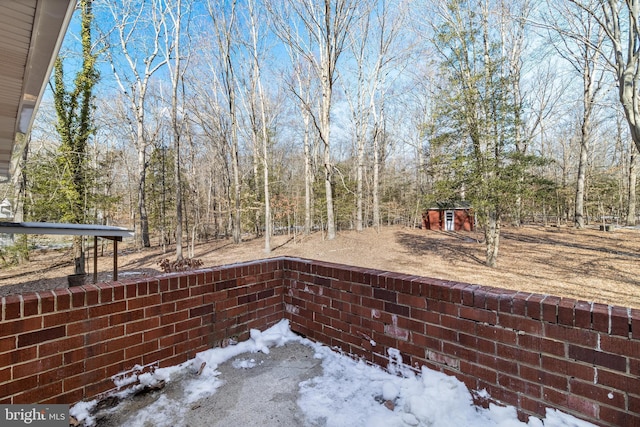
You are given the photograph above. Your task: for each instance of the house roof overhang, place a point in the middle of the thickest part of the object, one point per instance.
(31, 32)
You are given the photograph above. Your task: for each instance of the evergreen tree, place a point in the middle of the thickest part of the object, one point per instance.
(477, 120)
(160, 188)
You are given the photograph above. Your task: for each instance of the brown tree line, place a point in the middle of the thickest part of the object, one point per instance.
(241, 119)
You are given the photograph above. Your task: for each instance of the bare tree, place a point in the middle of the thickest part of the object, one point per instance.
(259, 99)
(224, 21)
(584, 54)
(359, 109)
(376, 51)
(513, 26)
(177, 60)
(303, 90)
(545, 96)
(619, 21)
(390, 22)
(628, 157)
(327, 25)
(132, 37)
(208, 111)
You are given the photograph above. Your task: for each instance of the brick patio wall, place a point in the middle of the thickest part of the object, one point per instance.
(527, 350)
(64, 346)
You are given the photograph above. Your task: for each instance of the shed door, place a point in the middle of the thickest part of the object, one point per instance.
(449, 223)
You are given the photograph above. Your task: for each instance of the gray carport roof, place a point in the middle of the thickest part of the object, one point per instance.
(104, 231)
(31, 32)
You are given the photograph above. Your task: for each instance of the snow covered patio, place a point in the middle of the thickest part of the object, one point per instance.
(246, 389)
(528, 352)
(278, 379)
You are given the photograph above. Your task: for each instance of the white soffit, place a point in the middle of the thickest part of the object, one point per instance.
(31, 32)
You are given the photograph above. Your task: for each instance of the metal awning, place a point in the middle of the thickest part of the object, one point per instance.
(31, 32)
(104, 231)
(53, 228)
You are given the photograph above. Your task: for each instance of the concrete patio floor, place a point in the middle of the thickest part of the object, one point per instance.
(264, 395)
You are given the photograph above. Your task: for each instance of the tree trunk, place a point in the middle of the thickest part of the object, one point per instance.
(237, 223)
(359, 179)
(141, 144)
(628, 94)
(256, 174)
(178, 183)
(304, 96)
(631, 207)
(580, 185)
(267, 197)
(143, 232)
(20, 187)
(328, 177)
(78, 255)
(328, 167)
(492, 238)
(265, 132)
(173, 50)
(308, 178)
(376, 177)
(235, 161)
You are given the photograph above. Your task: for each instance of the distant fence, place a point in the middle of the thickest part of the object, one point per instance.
(527, 350)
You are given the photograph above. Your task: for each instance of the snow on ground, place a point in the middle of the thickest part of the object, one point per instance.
(349, 393)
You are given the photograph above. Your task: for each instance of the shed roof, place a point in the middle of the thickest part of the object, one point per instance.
(451, 204)
(31, 32)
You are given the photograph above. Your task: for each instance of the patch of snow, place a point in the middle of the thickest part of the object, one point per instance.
(346, 395)
(389, 391)
(410, 419)
(81, 411)
(123, 381)
(395, 366)
(483, 393)
(244, 363)
(555, 418)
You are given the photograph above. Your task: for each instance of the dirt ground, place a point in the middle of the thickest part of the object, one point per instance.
(588, 265)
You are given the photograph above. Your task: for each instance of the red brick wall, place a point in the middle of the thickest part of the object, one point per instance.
(527, 350)
(64, 346)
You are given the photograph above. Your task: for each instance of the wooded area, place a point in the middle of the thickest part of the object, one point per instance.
(223, 119)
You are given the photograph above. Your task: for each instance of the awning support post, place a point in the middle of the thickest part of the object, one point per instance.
(95, 259)
(115, 260)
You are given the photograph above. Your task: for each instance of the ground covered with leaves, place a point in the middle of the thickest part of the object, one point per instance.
(588, 264)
